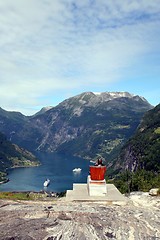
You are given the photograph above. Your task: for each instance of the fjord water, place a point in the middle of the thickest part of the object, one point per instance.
(58, 168)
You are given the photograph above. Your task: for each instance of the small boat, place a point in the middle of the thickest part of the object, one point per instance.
(77, 170)
(46, 183)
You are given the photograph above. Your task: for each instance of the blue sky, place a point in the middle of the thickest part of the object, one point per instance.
(55, 49)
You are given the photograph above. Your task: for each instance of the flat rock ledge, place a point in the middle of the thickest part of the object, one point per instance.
(138, 219)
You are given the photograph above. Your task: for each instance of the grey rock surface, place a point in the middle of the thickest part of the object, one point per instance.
(59, 219)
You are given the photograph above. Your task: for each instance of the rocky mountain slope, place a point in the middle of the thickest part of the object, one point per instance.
(85, 125)
(139, 219)
(142, 151)
(12, 155)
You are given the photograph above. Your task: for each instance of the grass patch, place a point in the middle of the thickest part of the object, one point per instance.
(15, 196)
(31, 195)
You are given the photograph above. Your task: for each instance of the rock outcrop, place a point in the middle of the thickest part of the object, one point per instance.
(154, 191)
(58, 219)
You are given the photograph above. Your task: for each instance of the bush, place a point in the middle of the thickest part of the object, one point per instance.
(140, 180)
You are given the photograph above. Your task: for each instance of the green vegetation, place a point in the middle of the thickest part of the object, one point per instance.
(141, 156)
(13, 156)
(30, 195)
(157, 131)
(15, 196)
(140, 180)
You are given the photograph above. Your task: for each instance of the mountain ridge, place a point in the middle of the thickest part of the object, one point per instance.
(85, 125)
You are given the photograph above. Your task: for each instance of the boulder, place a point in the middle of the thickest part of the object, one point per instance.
(154, 191)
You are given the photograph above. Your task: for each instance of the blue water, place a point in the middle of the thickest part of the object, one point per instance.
(58, 168)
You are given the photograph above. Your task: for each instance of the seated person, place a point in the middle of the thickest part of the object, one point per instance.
(99, 162)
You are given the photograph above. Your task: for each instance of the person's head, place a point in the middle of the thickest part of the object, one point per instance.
(100, 161)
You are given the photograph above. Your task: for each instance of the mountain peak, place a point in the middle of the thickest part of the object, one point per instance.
(113, 95)
(96, 98)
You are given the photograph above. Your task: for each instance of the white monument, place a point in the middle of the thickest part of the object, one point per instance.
(96, 182)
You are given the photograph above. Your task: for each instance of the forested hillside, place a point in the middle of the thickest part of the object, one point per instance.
(140, 156)
(13, 156)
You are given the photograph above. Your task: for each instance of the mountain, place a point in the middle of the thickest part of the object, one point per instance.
(43, 110)
(12, 155)
(85, 125)
(11, 122)
(142, 151)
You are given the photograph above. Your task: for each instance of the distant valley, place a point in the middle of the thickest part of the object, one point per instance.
(87, 125)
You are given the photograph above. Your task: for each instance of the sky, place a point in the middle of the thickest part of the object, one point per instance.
(51, 50)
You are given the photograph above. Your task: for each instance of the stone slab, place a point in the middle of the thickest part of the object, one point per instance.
(80, 193)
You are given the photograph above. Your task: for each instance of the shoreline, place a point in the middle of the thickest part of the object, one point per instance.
(4, 181)
(14, 167)
(25, 166)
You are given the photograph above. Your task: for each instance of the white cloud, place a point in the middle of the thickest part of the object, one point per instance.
(48, 46)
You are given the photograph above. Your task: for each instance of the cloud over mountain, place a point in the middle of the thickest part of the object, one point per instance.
(50, 47)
